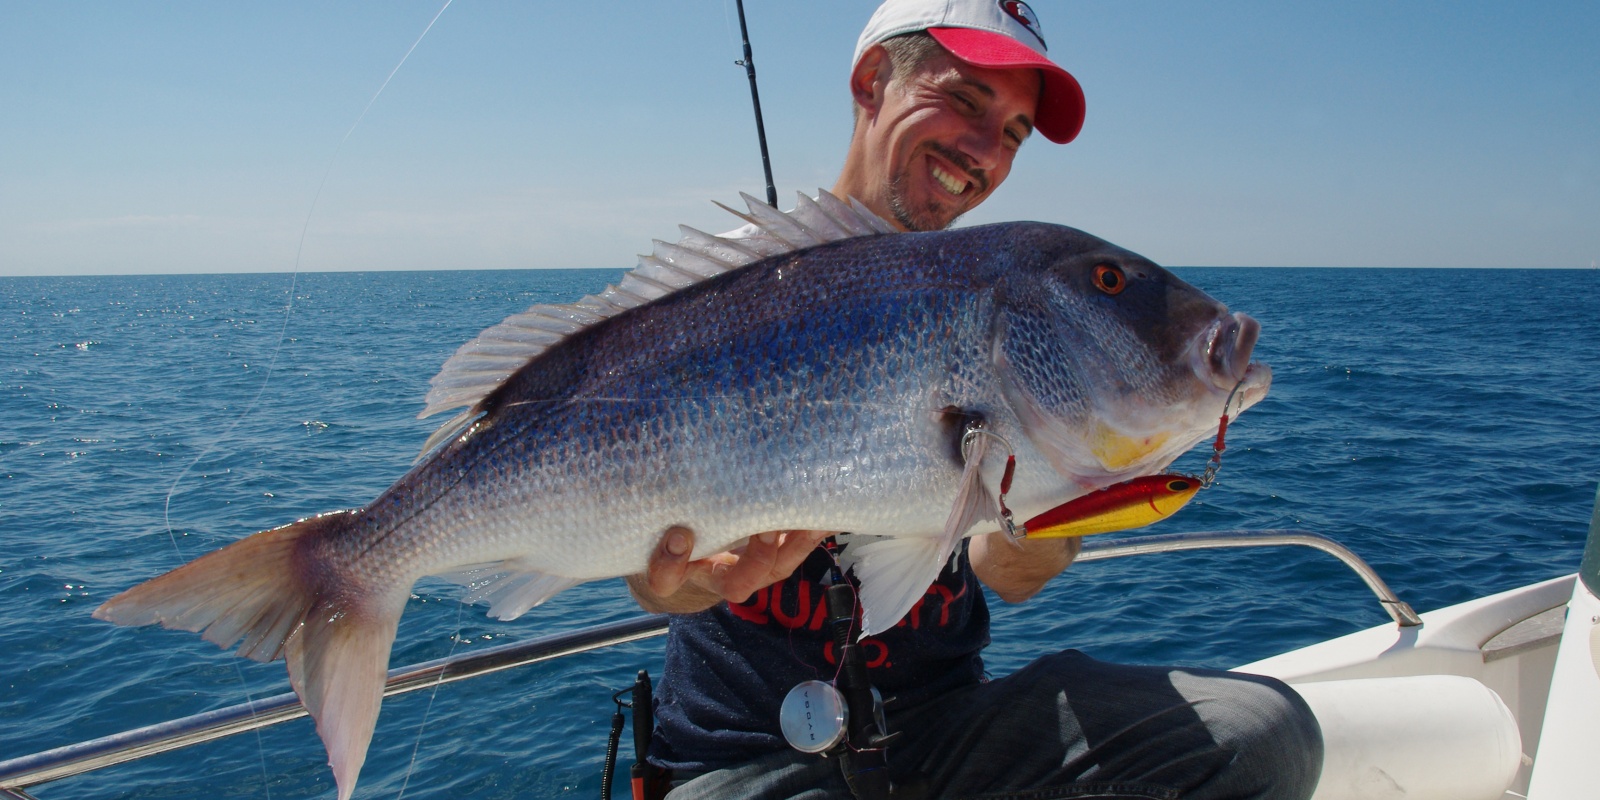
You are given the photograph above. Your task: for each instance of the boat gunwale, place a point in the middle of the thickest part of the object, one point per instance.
(31, 770)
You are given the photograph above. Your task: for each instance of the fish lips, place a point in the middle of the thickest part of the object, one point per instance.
(1223, 357)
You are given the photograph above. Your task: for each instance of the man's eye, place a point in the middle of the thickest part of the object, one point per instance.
(964, 101)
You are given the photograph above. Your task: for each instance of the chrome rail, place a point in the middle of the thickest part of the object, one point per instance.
(19, 773)
(1400, 611)
(73, 759)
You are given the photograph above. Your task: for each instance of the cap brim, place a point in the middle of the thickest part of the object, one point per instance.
(1059, 117)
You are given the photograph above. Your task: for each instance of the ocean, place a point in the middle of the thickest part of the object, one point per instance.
(1444, 424)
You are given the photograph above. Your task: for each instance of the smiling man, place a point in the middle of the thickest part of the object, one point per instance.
(946, 92)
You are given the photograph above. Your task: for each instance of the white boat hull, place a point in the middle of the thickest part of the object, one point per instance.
(1507, 642)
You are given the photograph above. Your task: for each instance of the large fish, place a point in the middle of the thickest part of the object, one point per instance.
(809, 376)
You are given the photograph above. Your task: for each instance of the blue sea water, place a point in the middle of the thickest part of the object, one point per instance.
(1445, 424)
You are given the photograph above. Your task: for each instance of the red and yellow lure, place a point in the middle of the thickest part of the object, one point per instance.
(1131, 504)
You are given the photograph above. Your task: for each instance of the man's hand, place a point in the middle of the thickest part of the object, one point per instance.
(1018, 570)
(675, 585)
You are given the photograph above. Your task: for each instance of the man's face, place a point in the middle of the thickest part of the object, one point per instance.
(944, 138)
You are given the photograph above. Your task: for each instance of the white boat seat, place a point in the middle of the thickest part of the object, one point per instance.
(1428, 737)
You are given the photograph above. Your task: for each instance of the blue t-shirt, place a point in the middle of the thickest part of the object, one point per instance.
(729, 667)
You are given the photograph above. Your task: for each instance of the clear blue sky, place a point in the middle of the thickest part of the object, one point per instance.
(192, 136)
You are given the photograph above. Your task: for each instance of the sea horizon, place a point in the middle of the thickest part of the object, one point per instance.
(1442, 423)
(626, 267)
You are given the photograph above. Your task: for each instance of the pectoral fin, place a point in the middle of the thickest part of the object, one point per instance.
(895, 572)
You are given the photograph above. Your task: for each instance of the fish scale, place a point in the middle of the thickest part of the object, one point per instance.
(825, 388)
(860, 414)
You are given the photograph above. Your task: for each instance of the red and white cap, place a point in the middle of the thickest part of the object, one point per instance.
(998, 34)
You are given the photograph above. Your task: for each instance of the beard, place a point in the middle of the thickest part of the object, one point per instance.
(930, 216)
(927, 218)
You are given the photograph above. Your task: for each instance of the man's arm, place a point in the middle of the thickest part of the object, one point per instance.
(675, 585)
(1018, 570)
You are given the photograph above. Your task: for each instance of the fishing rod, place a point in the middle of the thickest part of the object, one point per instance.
(749, 64)
(646, 781)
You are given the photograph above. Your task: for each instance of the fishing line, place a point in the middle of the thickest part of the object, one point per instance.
(838, 573)
(288, 309)
(807, 610)
(727, 23)
(416, 746)
(1215, 464)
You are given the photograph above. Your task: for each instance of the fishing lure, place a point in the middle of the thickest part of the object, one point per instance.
(1131, 504)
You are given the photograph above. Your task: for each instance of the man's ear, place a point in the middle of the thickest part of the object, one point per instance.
(870, 79)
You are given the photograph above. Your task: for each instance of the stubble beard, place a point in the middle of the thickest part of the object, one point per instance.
(914, 219)
(930, 217)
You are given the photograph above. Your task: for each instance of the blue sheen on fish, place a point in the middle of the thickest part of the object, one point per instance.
(738, 386)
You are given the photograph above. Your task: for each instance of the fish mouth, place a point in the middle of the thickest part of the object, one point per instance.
(1225, 357)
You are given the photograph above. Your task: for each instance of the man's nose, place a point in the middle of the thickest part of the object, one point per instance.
(985, 146)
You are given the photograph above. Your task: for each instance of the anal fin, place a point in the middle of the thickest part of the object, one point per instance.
(510, 587)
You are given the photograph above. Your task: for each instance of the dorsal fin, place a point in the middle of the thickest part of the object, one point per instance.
(481, 365)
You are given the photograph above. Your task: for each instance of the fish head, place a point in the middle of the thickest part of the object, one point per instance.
(1113, 365)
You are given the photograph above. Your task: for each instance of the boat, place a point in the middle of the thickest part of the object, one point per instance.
(1497, 697)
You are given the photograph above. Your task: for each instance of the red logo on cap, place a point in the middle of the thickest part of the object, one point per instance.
(1020, 12)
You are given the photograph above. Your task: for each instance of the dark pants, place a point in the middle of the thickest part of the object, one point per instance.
(1067, 726)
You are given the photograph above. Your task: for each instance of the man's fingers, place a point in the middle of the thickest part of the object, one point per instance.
(764, 560)
(733, 575)
(669, 564)
(795, 549)
(736, 579)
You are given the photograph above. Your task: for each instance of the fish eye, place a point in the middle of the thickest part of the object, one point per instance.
(1109, 279)
(1177, 485)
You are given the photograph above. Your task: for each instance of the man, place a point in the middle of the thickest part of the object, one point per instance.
(945, 93)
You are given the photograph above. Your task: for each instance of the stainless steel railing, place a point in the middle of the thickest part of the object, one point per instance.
(1397, 609)
(18, 774)
(94, 754)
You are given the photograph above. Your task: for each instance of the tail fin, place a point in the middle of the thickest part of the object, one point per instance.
(267, 591)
